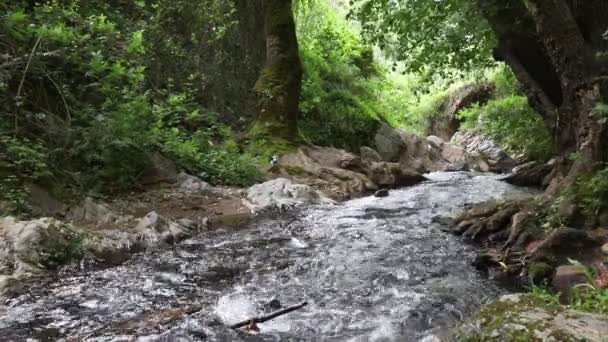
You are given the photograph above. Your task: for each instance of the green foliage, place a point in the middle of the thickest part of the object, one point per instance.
(591, 190)
(67, 244)
(590, 298)
(429, 36)
(338, 107)
(513, 124)
(544, 295)
(87, 114)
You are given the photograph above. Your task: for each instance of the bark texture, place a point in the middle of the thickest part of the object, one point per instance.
(279, 85)
(554, 48)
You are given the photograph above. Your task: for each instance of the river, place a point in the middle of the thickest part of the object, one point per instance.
(371, 269)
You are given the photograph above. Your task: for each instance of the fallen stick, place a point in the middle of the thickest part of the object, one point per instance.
(268, 317)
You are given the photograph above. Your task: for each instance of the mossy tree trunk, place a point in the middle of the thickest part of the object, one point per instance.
(554, 48)
(279, 85)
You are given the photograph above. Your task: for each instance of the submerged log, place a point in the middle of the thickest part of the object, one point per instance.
(268, 317)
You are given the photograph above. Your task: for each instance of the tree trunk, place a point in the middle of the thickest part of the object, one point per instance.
(279, 85)
(552, 47)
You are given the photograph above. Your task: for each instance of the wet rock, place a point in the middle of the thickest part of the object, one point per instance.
(191, 184)
(568, 276)
(281, 193)
(370, 155)
(445, 123)
(340, 174)
(274, 304)
(524, 318)
(160, 170)
(531, 174)
(456, 156)
(381, 193)
(10, 285)
(154, 228)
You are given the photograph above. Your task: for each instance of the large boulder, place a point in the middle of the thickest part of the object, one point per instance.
(340, 174)
(397, 146)
(480, 147)
(521, 317)
(281, 194)
(444, 123)
(94, 214)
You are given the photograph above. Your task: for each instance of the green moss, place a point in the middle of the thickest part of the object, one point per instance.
(539, 272)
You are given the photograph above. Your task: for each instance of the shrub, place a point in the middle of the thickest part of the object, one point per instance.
(513, 124)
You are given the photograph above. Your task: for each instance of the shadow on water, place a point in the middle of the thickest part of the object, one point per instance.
(371, 269)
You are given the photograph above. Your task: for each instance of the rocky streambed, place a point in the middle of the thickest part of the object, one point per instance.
(371, 269)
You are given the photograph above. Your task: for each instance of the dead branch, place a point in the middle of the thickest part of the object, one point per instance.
(268, 317)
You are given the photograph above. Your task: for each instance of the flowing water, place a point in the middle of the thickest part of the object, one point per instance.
(371, 269)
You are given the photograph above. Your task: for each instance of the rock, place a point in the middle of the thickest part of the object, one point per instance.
(522, 317)
(39, 244)
(605, 249)
(10, 286)
(530, 174)
(436, 141)
(281, 193)
(445, 123)
(568, 276)
(340, 174)
(381, 193)
(153, 229)
(97, 214)
(370, 155)
(483, 150)
(161, 170)
(454, 155)
(192, 184)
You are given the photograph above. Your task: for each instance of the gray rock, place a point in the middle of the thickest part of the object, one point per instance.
(436, 141)
(369, 154)
(153, 229)
(481, 147)
(192, 184)
(525, 318)
(90, 212)
(281, 193)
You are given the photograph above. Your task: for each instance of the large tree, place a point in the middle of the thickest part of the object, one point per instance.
(556, 48)
(279, 86)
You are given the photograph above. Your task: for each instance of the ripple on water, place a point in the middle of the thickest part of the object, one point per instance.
(372, 269)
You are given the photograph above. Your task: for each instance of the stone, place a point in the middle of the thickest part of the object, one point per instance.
(604, 249)
(482, 149)
(454, 155)
(568, 276)
(160, 170)
(153, 229)
(341, 175)
(280, 194)
(90, 212)
(522, 317)
(191, 184)
(436, 141)
(370, 155)
(381, 193)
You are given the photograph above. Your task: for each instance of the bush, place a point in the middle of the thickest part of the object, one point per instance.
(513, 124)
(83, 113)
